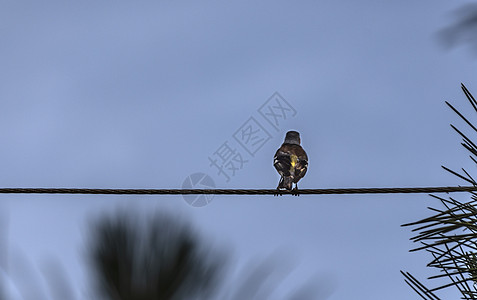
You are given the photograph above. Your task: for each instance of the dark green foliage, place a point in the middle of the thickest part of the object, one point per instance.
(158, 259)
(450, 235)
(463, 30)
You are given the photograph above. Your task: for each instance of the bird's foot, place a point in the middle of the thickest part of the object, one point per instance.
(295, 192)
(278, 193)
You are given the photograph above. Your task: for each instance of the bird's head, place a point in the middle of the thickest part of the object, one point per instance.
(292, 137)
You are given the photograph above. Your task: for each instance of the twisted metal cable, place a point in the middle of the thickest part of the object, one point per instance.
(341, 191)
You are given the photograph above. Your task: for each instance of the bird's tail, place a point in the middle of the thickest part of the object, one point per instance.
(286, 183)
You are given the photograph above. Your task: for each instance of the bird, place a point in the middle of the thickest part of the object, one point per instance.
(291, 162)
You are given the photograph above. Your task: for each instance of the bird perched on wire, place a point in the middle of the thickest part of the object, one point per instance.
(291, 162)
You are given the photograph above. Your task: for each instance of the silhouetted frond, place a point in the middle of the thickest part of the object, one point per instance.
(160, 258)
(450, 235)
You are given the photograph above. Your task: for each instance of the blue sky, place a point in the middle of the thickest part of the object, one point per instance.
(119, 94)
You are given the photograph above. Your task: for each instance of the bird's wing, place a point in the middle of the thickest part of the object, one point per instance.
(300, 169)
(302, 162)
(282, 161)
